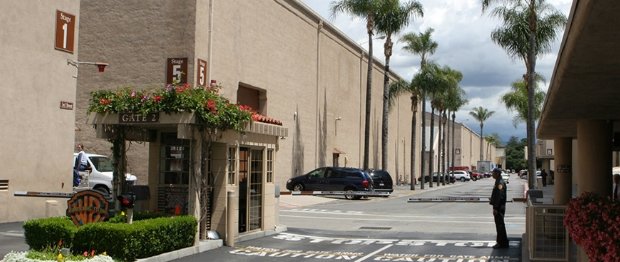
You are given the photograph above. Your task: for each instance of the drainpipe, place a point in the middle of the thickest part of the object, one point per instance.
(210, 40)
(318, 78)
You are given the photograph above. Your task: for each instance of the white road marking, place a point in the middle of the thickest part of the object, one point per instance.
(13, 233)
(428, 219)
(374, 253)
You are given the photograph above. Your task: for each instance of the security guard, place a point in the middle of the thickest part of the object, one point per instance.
(498, 201)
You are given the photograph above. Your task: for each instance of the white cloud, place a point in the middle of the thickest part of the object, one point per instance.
(463, 34)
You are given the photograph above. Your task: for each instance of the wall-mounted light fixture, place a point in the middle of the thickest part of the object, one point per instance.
(99, 65)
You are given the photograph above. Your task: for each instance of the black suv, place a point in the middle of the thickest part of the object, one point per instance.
(332, 179)
(382, 181)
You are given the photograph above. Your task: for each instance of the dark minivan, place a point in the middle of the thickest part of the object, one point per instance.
(332, 179)
(382, 181)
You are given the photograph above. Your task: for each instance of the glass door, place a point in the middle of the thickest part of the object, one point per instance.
(250, 189)
(174, 169)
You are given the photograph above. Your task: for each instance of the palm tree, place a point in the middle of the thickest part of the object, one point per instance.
(366, 9)
(516, 100)
(397, 89)
(420, 44)
(453, 101)
(449, 80)
(492, 140)
(529, 28)
(456, 100)
(481, 114)
(391, 19)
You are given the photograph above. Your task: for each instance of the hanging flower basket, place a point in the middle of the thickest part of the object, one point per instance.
(174, 101)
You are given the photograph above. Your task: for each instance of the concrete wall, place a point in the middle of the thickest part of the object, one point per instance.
(309, 73)
(135, 39)
(37, 136)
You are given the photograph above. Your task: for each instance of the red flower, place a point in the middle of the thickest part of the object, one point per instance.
(157, 99)
(211, 106)
(592, 222)
(104, 101)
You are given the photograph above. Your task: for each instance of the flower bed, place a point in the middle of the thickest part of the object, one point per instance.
(593, 222)
(126, 242)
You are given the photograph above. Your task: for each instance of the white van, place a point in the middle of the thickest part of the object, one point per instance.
(100, 177)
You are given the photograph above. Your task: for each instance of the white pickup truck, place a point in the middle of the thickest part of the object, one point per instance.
(100, 176)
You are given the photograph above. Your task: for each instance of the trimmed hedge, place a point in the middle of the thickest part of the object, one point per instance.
(48, 232)
(121, 241)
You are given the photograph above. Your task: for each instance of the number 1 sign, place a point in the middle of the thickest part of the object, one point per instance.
(65, 31)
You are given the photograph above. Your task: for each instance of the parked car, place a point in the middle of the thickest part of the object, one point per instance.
(382, 181)
(436, 177)
(461, 175)
(100, 176)
(332, 179)
(505, 177)
(475, 175)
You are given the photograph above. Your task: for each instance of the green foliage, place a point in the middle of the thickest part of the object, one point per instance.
(212, 110)
(45, 233)
(122, 218)
(141, 239)
(515, 153)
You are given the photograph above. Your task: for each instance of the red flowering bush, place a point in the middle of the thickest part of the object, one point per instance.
(212, 109)
(593, 222)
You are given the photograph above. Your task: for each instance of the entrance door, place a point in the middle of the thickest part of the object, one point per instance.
(250, 189)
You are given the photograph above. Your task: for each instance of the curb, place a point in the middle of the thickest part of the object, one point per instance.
(204, 245)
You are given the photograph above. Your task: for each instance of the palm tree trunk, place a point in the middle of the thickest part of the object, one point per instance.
(440, 148)
(443, 146)
(431, 147)
(413, 137)
(422, 156)
(481, 139)
(368, 102)
(448, 140)
(453, 157)
(531, 139)
(384, 129)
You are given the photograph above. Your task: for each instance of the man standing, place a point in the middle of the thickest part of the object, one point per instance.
(543, 174)
(498, 201)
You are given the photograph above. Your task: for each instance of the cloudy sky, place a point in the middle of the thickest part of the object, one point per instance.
(462, 32)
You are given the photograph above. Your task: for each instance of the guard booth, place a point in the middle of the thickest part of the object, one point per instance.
(184, 158)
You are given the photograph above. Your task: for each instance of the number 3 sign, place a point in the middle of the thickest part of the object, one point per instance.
(65, 31)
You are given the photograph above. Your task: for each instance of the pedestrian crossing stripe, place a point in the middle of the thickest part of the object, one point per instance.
(396, 242)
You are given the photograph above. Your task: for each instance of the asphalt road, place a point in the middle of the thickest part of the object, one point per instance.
(374, 229)
(388, 229)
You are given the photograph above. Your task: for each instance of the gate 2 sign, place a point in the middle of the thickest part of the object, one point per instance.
(87, 206)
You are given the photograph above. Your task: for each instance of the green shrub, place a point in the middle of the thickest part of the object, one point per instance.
(118, 218)
(141, 239)
(55, 232)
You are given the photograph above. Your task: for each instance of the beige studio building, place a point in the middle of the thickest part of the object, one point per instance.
(39, 45)
(277, 56)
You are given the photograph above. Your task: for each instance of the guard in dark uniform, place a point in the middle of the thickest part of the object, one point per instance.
(498, 201)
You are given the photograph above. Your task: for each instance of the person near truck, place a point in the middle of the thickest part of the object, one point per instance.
(498, 201)
(81, 164)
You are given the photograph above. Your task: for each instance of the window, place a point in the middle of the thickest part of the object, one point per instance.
(269, 165)
(252, 97)
(232, 165)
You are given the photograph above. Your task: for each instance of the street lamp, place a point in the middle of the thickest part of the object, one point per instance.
(100, 65)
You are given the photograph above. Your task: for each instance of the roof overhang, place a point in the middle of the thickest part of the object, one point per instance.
(586, 79)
